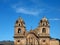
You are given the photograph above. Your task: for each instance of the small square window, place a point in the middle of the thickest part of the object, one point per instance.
(43, 40)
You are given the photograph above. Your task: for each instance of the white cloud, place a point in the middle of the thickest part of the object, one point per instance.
(27, 11)
(56, 19)
(21, 7)
(37, 8)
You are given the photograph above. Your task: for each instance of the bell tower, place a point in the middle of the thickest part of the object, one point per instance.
(19, 31)
(44, 27)
(44, 34)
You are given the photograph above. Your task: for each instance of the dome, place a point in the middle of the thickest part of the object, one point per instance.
(44, 22)
(44, 19)
(20, 20)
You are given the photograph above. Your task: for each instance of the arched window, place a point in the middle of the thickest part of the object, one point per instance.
(19, 24)
(43, 30)
(44, 23)
(19, 30)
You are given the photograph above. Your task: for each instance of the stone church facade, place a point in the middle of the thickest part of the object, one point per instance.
(38, 36)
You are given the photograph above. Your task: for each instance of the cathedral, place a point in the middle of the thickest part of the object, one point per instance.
(38, 36)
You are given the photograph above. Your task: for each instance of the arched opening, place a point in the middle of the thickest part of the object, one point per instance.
(43, 30)
(19, 24)
(31, 39)
(18, 41)
(43, 40)
(19, 30)
(44, 23)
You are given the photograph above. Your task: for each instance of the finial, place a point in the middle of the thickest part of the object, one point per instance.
(44, 18)
(19, 17)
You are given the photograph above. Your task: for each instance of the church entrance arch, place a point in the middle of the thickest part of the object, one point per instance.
(31, 39)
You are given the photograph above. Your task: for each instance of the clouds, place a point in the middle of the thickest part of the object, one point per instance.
(26, 11)
(29, 11)
(28, 7)
(33, 7)
(55, 19)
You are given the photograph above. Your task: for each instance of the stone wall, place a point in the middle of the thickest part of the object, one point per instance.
(54, 42)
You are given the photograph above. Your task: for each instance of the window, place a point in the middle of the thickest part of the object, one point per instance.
(43, 30)
(19, 30)
(44, 23)
(18, 41)
(19, 24)
(43, 40)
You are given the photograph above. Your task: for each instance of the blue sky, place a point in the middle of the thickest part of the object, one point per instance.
(32, 11)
